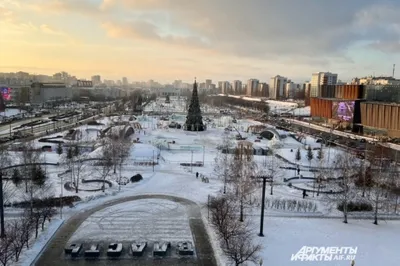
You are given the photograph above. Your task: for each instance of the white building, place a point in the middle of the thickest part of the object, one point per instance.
(277, 87)
(321, 78)
(376, 81)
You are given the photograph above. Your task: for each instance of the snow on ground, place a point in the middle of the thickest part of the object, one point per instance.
(141, 220)
(28, 257)
(286, 236)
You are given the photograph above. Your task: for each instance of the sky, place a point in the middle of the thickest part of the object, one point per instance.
(167, 40)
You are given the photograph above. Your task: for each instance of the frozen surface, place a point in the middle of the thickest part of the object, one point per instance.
(145, 220)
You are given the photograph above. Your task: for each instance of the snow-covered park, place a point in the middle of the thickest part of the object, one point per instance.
(157, 152)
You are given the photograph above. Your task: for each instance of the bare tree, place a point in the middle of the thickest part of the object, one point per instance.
(77, 166)
(241, 248)
(221, 166)
(124, 153)
(242, 171)
(344, 183)
(236, 237)
(271, 168)
(105, 163)
(21, 231)
(6, 250)
(29, 155)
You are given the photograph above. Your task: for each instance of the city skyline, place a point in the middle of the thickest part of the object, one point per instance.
(169, 40)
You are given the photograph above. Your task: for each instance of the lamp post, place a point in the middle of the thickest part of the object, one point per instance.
(264, 178)
(2, 233)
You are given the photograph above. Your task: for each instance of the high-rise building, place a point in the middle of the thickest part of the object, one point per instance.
(96, 80)
(290, 89)
(252, 86)
(307, 90)
(262, 90)
(277, 87)
(237, 87)
(208, 84)
(225, 87)
(125, 81)
(321, 78)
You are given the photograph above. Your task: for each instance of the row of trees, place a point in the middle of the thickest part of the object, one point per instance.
(370, 184)
(227, 211)
(34, 192)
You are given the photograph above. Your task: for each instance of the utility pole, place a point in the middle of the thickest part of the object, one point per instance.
(264, 178)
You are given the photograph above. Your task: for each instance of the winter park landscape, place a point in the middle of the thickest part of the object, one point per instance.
(179, 189)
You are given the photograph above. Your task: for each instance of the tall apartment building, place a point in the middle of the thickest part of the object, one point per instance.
(225, 87)
(321, 78)
(208, 84)
(307, 91)
(277, 87)
(262, 90)
(237, 87)
(125, 81)
(96, 80)
(290, 89)
(252, 86)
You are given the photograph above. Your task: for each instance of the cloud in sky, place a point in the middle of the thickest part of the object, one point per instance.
(286, 37)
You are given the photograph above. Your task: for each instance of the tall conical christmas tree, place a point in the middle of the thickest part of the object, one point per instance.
(194, 120)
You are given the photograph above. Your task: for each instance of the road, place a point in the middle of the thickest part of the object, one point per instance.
(5, 129)
(54, 253)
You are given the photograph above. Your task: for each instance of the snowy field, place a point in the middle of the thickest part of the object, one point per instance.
(139, 220)
(286, 236)
(285, 231)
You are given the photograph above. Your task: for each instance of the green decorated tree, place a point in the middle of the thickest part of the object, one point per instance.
(194, 120)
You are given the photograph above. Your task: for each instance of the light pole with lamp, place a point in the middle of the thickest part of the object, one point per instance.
(264, 178)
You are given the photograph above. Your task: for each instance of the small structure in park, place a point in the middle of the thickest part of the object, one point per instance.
(73, 249)
(160, 249)
(194, 120)
(138, 248)
(93, 251)
(185, 248)
(114, 250)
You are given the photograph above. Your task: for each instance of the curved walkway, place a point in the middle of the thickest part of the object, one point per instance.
(54, 253)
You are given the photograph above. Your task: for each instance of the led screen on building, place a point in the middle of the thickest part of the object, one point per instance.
(6, 93)
(343, 111)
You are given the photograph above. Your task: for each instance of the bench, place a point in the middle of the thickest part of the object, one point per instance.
(138, 248)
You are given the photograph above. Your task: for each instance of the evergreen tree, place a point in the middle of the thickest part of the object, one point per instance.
(39, 176)
(76, 151)
(320, 154)
(298, 155)
(16, 177)
(310, 154)
(59, 149)
(70, 153)
(194, 120)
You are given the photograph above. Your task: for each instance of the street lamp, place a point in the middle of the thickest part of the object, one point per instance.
(264, 178)
(2, 233)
